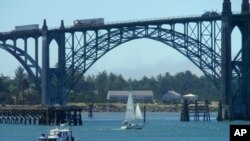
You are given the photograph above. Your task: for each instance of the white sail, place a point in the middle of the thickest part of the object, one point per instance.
(138, 114)
(130, 112)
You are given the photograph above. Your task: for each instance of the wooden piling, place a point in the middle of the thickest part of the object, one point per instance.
(196, 111)
(90, 110)
(206, 116)
(219, 117)
(185, 111)
(144, 114)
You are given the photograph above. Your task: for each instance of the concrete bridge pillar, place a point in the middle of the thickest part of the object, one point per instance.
(235, 105)
(45, 66)
(226, 68)
(245, 7)
(61, 67)
(245, 81)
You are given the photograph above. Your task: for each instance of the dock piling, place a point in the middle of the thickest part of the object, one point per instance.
(41, 115)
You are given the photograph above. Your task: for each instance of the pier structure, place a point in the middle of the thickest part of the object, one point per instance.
(196, 111)
(40, 115)
(200, 111)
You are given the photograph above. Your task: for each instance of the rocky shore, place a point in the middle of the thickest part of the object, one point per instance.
(120, 107)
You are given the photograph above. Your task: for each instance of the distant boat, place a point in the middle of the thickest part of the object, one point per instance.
(133, 116)
(61, 133)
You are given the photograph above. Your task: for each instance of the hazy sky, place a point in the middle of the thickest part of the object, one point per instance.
(133, 59)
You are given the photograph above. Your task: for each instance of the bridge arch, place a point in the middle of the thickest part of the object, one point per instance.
(28, 66)
(147, 56)
(53, 52)
(236, 36)
(201, 55)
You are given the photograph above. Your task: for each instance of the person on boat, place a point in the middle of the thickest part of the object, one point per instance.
(60, 138)
(42, 137)
(125, 123)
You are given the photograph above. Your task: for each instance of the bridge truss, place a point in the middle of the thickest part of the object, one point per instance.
(197, 38)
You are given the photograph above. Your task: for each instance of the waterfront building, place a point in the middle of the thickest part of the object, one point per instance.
(172, 97)
(190, 98)
(139, 96)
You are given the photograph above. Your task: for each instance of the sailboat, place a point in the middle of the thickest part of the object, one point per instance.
(133, 116)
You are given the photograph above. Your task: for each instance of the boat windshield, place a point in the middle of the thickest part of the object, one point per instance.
(46, 139)
(51, 140)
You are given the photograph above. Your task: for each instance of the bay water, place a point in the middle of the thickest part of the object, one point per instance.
(105, 126)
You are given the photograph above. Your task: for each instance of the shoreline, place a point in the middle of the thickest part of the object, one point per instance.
(150, 107)
(121, 107)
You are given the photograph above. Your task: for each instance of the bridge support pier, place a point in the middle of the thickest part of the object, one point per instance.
(61, 68)
(226, 69)
(53, 93)
(246, 59)
(235, 100)
(45, 66)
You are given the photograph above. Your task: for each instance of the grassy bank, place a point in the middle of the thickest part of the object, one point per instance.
(120, 107)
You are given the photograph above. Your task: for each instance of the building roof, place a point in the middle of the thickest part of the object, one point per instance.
(190, 95)
(171, 95)
(134, 93)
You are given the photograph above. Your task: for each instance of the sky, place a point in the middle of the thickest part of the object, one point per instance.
(134, 59)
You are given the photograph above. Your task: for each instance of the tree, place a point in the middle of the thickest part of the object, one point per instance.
(20, 77)
(5, 96)
(20, 73)
(4, 82)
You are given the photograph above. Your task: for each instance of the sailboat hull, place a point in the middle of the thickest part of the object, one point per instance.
(133, 126)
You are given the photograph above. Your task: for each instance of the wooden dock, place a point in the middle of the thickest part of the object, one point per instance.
(200, 111)
(196, 111)
(37, 115)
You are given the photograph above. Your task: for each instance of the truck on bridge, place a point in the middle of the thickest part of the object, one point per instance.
(89, 22)
(27, 27)
(210, 14)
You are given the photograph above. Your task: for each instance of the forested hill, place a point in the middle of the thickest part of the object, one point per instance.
(183, 83)
(94, 88)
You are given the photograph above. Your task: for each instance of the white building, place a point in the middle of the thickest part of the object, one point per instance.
(122, 96)
(190, 98)
(171, 97)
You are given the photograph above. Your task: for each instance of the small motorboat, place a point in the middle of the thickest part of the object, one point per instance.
(59, 133)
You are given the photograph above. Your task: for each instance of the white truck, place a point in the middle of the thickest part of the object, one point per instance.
(27, 27)
(89, 22)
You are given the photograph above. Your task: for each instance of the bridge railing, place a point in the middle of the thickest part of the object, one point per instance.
(151, 19)
(139, 20)
(129, 21)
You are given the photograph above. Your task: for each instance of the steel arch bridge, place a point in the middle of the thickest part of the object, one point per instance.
(204, 40)
(197, 38)
(26, 61)
(202, 49)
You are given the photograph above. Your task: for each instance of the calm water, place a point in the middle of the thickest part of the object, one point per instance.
(105, 127)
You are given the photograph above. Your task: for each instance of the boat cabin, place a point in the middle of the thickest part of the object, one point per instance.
(58, 134)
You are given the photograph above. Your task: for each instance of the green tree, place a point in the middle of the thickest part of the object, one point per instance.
(20, 76)
(5, 96)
